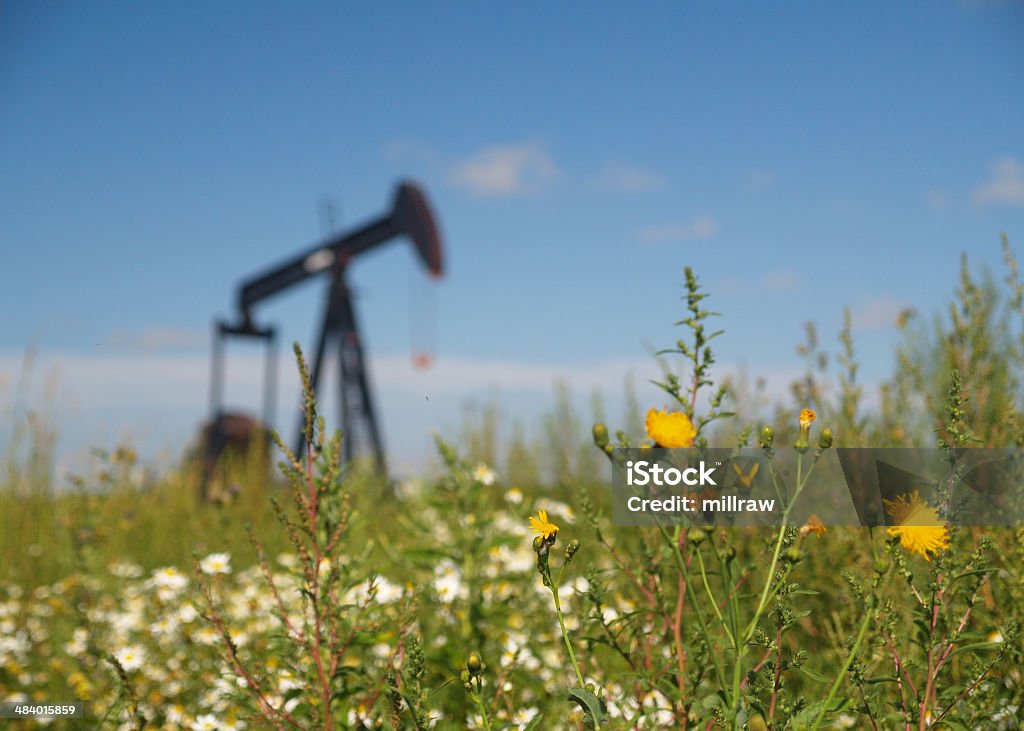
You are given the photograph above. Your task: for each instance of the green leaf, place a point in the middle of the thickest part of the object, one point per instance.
(805, 719)
(589, 702)
(712, 702)
(974, 646)
(973, 572)
(534, 723)
(813, 675)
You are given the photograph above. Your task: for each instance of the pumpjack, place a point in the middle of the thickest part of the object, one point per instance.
(410, 216)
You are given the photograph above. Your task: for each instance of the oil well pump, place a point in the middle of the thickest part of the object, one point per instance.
(410, 216)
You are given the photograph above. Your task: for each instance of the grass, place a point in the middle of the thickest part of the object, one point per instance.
(322, 600)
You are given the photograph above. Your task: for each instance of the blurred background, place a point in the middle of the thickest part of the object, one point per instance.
(802, 159)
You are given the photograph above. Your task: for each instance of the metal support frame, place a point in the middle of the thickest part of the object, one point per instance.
(355, 402)
(222, 430)
(410, 216)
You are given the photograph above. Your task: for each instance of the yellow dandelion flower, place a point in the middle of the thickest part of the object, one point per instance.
(807, 417)
(813, 525)
(917, 525)
(542, 526)
(670, 430)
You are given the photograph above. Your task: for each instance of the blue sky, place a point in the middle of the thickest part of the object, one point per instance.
(802, 157)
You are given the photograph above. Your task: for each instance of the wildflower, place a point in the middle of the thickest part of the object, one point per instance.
(206, 722)
(125, 570)
(514, 495)
(807, 417)
(524, 716)
(216, 563)
(448, 582)
(542, 526)
(79, 642)
(131, 657)
(484, 475)
(917, 525)
(187, 613)
(169, 578)
(670, 430)
(386, 592)
(164, 626)
(206, 636)
(813, 525)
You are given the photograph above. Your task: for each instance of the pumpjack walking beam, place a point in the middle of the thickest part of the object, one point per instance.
(410, 216)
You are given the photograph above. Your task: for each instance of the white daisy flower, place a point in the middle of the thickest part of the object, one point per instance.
(484, 475)
(131, 657)
(169, 578)
(216, 563)
(206, 722)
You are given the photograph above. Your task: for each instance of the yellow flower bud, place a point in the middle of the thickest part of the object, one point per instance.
(571, 549)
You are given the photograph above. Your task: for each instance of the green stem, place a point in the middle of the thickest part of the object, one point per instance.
(701, 619)
(768, 584)
(565, 634)
(480, 705)
(845, 669)
(714, 601)
(734, 605)
(763, 601)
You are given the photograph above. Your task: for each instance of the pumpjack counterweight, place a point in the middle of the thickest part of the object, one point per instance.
(410, 216)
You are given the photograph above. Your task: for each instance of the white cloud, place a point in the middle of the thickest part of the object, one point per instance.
(108, 380)
(619, 178)
(876, 314)
(1006, 184)
(699, 229)
(156, 402)
(155, 338)
(506, 170)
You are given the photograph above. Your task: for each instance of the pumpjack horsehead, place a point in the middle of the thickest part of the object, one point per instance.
(410, 216)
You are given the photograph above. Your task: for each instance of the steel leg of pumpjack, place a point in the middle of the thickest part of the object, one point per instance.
(339, 321)
(329, 325)
(353, 343)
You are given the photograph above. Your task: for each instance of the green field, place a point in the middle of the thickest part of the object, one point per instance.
(323, 598)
